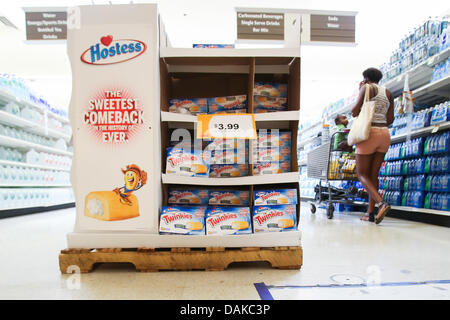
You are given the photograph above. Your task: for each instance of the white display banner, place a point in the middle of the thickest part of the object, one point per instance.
(114, 113)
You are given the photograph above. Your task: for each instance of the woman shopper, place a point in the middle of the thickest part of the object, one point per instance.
(370, 153)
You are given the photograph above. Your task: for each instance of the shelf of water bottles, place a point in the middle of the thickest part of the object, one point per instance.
(33, 168)
(25, 119)
(425, 41)
(423, 117)
(20, 138)
(14, 89)
(306, 184)
(14, 198)
(417, 174)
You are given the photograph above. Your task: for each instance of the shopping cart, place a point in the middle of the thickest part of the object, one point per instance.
(329, 164)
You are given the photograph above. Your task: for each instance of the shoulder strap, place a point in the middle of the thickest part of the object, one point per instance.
(367, 94)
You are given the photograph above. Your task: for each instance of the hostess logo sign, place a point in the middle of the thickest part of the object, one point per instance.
(111, 51)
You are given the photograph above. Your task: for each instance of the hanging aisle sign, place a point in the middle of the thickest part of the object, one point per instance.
(260, 26)
(332, 28)
(46, 23)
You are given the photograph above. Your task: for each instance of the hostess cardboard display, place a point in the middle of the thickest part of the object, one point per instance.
(114, 114)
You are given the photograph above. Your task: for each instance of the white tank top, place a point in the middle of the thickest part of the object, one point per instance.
(382, 104)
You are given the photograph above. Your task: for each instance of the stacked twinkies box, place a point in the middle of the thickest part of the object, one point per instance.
(215, 158)
(216, 105)
(199, 211)
(272, 154)
(275, 210)
(229, 158)
(269, 97)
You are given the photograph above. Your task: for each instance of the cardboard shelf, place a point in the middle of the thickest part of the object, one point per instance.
(259, 117)
(268, 179)
(205, 52)
(137, 240)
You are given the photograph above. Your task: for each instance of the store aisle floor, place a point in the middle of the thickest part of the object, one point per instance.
(398, 256)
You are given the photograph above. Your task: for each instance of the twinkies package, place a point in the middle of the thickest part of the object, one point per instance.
(226, 144)
(270, 89)
(264, 104)
(230, 156)
(188, 196)
(187, 220)
(275, 197)
(228, 220)
(229, 198)
(277, 167)
(274, 218)
(272, 154)
(190, 163)
(229, 104)
(274, 138)
(189, 106)
(228, 170)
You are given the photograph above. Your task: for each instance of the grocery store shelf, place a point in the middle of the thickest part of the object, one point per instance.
(27, 165)
(19, 211)
(7, 97)
(343, 110)
(33, 185)
(259, 117)
(288, 177)
(25, 145)
(306, 141)
(134, 240)
(303, 131)
(422, 131)
(10, 119)
(218, 52)
(422, 210)
(433, 92)
(418, 76)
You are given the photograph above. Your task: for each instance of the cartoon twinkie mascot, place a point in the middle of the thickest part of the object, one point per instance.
(120, 203)
(135, 178)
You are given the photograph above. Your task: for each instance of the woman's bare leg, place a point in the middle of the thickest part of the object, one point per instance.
(364, 169)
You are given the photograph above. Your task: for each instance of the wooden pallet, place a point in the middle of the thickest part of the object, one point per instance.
(179, 259)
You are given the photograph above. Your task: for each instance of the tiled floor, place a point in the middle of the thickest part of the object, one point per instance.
(342, 258)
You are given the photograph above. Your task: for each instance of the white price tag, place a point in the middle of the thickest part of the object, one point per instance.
(226, 126)
(435, 129)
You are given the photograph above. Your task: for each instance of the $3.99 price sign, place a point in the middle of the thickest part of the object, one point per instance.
(226, 126)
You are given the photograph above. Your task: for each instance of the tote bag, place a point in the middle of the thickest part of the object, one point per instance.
(361, 126)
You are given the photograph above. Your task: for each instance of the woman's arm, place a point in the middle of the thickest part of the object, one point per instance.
(390, 112)
(359, 102)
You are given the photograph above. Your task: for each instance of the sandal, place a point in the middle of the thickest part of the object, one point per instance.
(369, 216)
(383, 209)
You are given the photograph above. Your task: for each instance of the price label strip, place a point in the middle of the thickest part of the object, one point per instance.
(226, 126)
